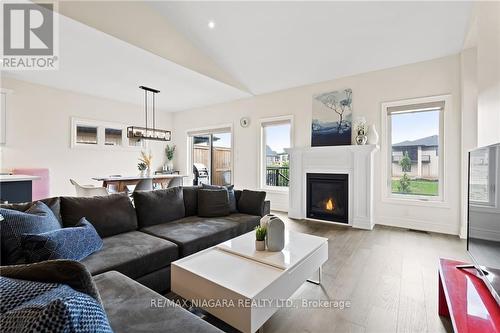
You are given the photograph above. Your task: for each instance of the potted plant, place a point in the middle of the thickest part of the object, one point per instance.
(260, 238)
(169, 151)
(142, 168)
(146, 160)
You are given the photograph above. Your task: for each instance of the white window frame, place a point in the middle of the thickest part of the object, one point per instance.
(101, 127)
(262, 150)
(386, 152)
(221, 128)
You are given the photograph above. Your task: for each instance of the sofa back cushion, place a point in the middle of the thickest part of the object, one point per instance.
(110, 215)
(190, 194)
(52, 203)
(36, 219)
(251, 202)
(160, 206)
(213, 203)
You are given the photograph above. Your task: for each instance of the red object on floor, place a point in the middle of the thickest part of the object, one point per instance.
(464, 298)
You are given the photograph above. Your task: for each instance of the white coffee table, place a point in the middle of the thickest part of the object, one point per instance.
(244, 287)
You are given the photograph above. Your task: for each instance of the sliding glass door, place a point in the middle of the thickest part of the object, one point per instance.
(212, 151)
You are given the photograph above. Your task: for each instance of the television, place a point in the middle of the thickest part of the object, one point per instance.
(483, 233)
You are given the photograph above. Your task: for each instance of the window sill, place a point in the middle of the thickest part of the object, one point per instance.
(281, 190)
(437, 203)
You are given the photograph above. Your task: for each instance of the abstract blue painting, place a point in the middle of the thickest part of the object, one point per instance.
(332, 118)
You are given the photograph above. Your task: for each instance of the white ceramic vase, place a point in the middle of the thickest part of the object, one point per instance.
(372, 135)
(265, 220)
(275, 235)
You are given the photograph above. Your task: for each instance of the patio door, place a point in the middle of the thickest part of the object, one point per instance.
(213, 149)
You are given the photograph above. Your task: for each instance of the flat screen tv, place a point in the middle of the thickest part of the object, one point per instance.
(483, 236)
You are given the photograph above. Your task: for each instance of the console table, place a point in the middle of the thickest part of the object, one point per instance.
(465, 299)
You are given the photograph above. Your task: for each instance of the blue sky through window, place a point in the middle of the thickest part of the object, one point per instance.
(413, 126)
(278, 137)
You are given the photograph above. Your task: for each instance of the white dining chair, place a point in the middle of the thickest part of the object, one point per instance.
(88, 190)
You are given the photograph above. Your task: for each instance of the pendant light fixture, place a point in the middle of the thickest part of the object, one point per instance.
(149, 132)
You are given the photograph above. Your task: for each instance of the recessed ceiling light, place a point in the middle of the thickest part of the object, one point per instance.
(211, 24)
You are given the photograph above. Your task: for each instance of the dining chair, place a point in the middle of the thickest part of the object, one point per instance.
(88, 190)
(144, 185)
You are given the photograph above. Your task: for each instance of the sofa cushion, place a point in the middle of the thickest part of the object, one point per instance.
(154, 207)
(251, 202)
(52, 203)
(190, 194)
(73, 243)
(110, 215)
(35, 220)
(133, 253)
(195, 233)
(230, 193)
(213, 203)
(131, 307)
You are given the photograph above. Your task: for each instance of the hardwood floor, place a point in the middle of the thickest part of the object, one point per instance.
(389, 275)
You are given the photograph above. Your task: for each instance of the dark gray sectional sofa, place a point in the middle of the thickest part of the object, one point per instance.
(141, 242)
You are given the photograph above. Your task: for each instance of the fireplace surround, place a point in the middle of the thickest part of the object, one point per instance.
(355, 161)
(328, 197)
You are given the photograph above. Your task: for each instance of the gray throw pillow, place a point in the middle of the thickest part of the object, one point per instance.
(230, 194)
(160, 206)
(251, 202)
(35, 220)
(213, 203)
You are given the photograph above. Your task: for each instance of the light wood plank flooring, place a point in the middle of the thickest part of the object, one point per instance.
(388, 274)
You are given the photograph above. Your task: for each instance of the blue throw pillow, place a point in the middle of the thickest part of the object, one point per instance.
(74, 243)
(36, 219)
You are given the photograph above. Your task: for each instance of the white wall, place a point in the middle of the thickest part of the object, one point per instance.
(435, 77)
(38, 135)
(488, 72)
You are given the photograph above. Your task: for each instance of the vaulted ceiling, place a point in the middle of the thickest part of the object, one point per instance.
(108, 48)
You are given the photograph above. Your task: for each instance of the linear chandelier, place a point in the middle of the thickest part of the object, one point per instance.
(147, 132)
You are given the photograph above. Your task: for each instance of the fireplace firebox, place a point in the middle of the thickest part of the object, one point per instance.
(327, 197)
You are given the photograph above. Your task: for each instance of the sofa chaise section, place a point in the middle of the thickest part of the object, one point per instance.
(131, 307)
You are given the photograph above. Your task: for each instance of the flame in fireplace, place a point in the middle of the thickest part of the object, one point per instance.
(330, 205)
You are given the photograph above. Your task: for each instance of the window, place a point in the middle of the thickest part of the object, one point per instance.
(482, 176)
(86, 135)
(113, 137)
(96, 134)
(414, 147)
(276, 137)
(211, 150)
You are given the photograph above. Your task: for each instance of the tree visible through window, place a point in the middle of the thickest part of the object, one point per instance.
(414, 137)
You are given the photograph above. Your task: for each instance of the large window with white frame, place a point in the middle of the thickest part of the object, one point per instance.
(414, 148)
(276, 136)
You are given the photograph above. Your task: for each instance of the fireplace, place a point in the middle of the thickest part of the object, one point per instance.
(327, 197)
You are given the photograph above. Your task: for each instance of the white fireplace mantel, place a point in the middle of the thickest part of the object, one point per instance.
(356, 161)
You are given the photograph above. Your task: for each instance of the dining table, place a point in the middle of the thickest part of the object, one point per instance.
(120, 183)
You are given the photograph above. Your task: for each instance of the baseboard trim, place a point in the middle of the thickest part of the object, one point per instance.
(418, 225)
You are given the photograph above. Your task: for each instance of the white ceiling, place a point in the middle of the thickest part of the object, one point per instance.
(94, 63)
(270, 46)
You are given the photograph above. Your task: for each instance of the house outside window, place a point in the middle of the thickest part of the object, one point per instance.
(276, 136)
(414, 145)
